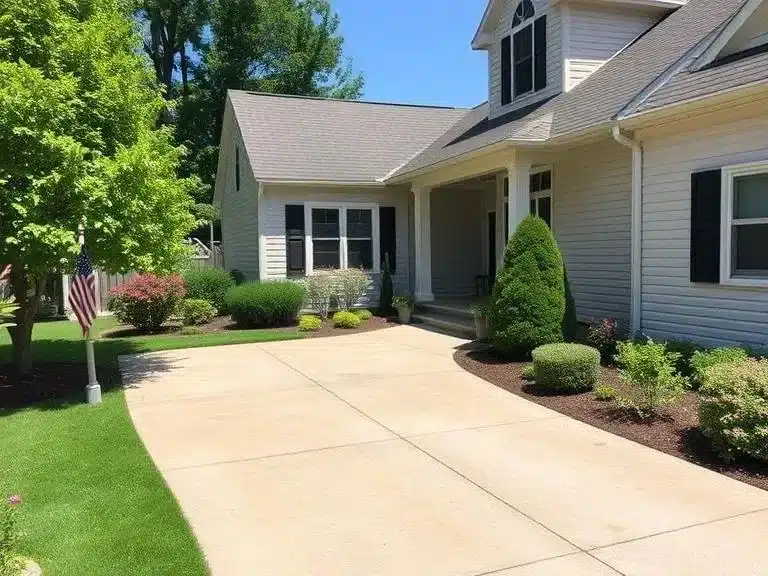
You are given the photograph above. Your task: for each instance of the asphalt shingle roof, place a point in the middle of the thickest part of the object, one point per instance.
(599, 98)
(312, 139)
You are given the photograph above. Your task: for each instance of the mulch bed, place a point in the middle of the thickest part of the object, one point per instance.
(226, 324)
(54, 385)
(675, 432)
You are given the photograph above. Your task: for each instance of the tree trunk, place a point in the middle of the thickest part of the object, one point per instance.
(21, 334)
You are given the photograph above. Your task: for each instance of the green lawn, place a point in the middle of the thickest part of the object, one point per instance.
(93, 502)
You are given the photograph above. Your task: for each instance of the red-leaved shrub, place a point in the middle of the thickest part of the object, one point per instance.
(146, 301)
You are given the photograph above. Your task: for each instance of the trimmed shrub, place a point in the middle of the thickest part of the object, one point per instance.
(649, 370)
(195, 312)
(320, 289)
(265, 304)
(346, 319)
(146, 301)
(529, 373)
(190, 331)
(703, 361)
(605, 393)
(364, 314)
(209, 284)
(566, 367)
(310, 323)
(604, 337)
(528, 301)
(733, 411)
(351, 285)
(387, 290)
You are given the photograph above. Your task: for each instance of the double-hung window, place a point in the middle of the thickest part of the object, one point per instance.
(326, 238)
(746, 222)
(527, 53)
(360, 238)
(541, 195)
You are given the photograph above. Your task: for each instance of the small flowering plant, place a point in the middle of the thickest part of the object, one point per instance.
(11, 563)
(604, 335)
(147, 301)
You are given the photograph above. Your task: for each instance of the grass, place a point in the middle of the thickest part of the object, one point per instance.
(94, 503)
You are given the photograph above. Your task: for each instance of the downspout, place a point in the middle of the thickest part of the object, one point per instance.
(635, 228)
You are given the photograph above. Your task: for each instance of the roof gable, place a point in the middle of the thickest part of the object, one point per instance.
(484, 35)
(747, 29)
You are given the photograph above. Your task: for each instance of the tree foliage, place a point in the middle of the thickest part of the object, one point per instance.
(528, 300)
(79, 143)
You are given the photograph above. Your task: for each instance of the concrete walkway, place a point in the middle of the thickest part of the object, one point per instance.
(375, 454)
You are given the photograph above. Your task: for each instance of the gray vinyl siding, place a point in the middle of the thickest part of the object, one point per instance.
(596, 33)
(554, 58)
(672, 306)
(239, 217)
(276, 197)
(592, 187)
(458, 229)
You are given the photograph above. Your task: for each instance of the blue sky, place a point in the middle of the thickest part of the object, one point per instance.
(416, 51)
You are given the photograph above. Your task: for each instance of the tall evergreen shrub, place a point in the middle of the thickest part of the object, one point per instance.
(528, 301)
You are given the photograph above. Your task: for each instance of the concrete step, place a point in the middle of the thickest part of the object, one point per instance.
(460, 311)
(452, 325)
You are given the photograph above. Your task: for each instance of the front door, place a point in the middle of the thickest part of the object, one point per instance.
(491, 247)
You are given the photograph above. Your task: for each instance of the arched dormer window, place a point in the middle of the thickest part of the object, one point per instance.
(524, 54)
(525, 11)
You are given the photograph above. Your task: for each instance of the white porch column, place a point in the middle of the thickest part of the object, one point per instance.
(423, 244)
(519, 194)
(501, 240)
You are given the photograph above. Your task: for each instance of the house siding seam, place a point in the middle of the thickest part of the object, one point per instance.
(596, 34)
(240, 233)
(554, 58)
(672, 306)
(592, 188)
(276, 197)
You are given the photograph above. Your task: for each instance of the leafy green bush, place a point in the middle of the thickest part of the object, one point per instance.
(605, 393)
(649, 370)
(566, 367)
(209, 284)
(8, 308)
(686, 350)
(351, 285)
(237, 276)
(195, 312)
(310, 323)
(146, 301)
(190, 331)
(733, 411)
(528, 301)
(702, 361)
(320, 291)
(364, 314)
(346, 319)
(11, 563)
(528, 373)
(265, 304)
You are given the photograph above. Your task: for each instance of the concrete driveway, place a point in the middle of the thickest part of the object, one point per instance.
(375, 454)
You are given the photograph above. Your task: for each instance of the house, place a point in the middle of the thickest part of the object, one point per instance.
(637, 129)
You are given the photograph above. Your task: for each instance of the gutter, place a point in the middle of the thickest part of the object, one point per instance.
(636, 226)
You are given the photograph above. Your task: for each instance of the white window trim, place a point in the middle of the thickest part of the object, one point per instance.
(342, 207)
(530, 22)
(542, 194)
(729, 174)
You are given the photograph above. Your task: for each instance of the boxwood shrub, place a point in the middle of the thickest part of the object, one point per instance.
(209, 284)
(265, 304)
(566, 367)
(733, 408)
(310, 323)
(346, 319)
(364, 314)
(703, 361)
(196, 312)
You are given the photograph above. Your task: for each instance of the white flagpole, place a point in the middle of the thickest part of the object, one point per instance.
(93, 389)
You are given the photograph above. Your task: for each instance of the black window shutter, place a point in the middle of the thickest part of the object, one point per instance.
(388, 236)
(506, 70)
(540, 53)
(294, 239)
(705, 226)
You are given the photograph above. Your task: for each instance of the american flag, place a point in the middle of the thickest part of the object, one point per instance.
(82, 294)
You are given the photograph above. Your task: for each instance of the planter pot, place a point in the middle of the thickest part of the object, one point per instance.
(481, 327)
(404, 313)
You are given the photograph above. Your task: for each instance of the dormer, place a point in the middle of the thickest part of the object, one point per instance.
(539, 48)
(745, 34)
